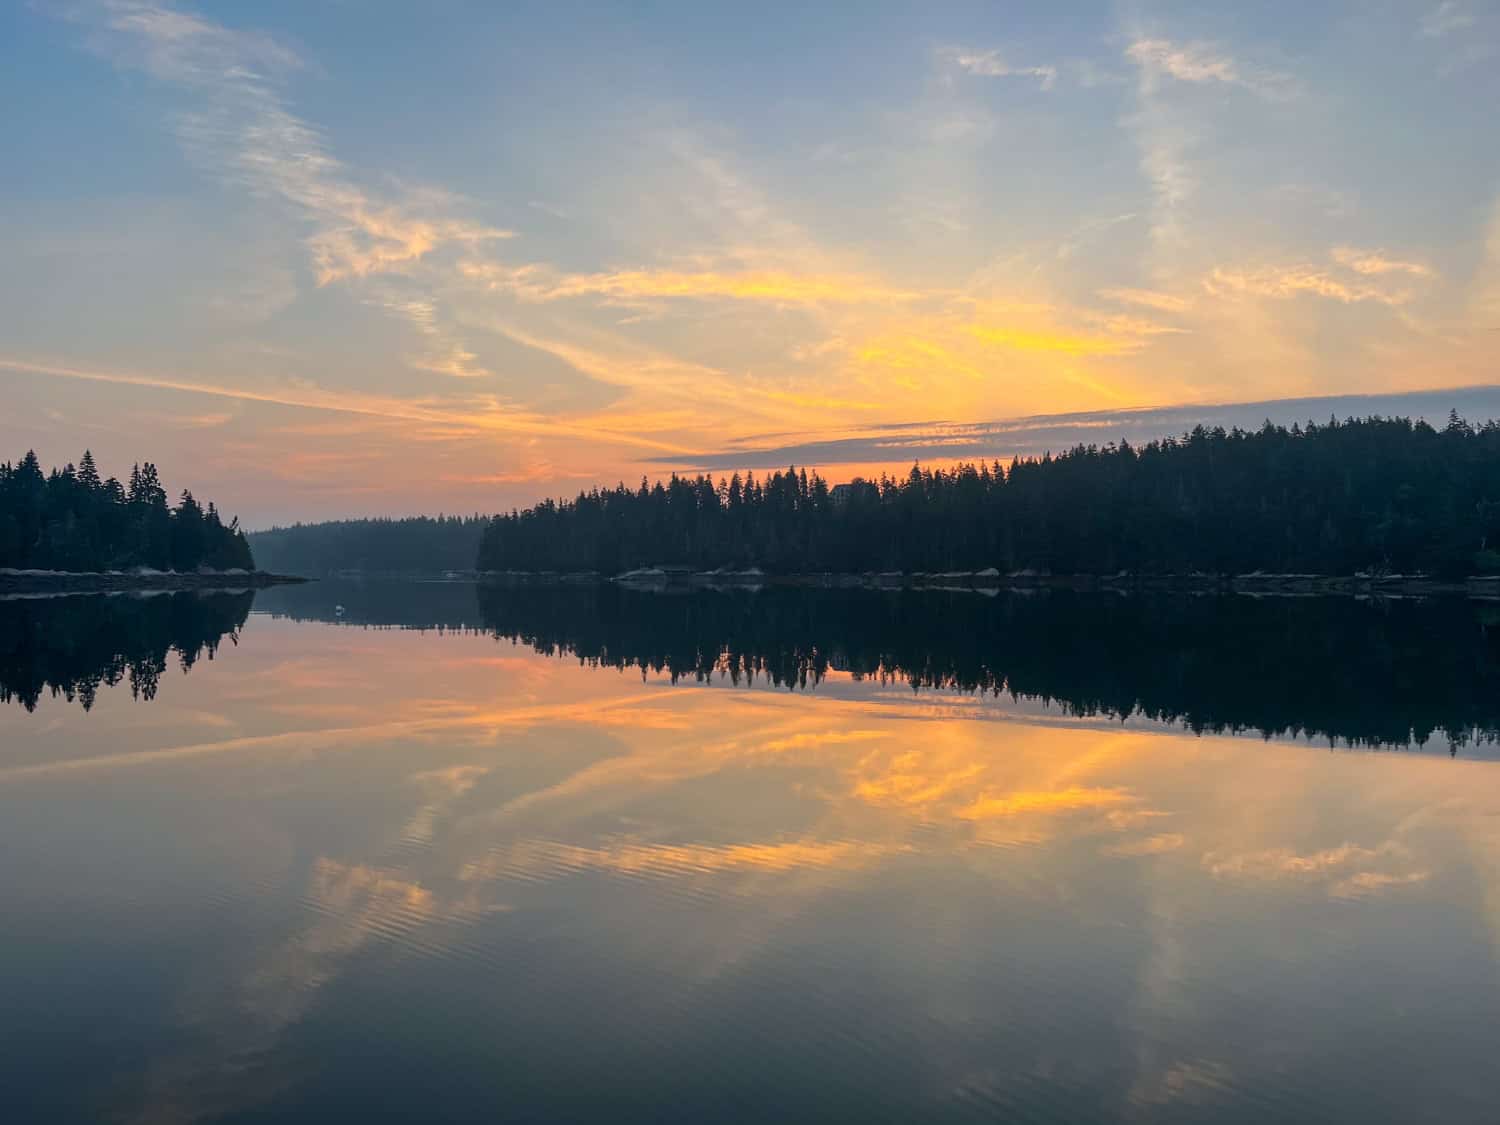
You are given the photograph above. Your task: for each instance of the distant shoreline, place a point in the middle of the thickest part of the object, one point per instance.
(1395, 585)
(104, 582)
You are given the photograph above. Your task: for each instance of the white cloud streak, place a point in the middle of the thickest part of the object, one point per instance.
(1374, 263)
(1200, 63)
(241, 130)
(244, 131)
(1148, 298)
(1285, 282)
(1366, 277)
(482, 412)
(991, 64)
(1446, 18)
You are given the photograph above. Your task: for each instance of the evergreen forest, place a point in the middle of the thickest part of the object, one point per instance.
(1372, 495)
(70, 519)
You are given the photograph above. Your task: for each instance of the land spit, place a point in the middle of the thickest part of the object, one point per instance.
(140, 579)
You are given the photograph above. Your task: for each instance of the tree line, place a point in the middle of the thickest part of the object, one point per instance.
(70, 519)
(1363, 495)
(416, 545)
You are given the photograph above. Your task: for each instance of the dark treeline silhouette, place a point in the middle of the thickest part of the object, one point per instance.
(1377, 494)
(71, 646)
(70, 519)
(418, 545)
(1344, 669)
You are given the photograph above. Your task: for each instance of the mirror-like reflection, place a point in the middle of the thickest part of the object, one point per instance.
(394, 874)
(1354, 672)
(71, 646)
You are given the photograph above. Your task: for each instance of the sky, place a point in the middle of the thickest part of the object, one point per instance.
(333, 258)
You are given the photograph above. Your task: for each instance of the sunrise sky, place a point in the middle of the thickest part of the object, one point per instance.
(327, 258)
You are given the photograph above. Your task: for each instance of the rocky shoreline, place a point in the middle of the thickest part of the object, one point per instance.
(990, 581)
(15, 582)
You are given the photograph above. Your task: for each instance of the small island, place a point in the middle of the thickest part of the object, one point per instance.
(69, 531)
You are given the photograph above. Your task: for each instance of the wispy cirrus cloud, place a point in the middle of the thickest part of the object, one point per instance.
(537, 282)
(1362, 283)
(993, 64)
(1148, 298)
(240, 130)
(1356, 277)
(1446, 18)
(1459, 28)
(1374, 263)
(483, 412)
(445, 354)
(1164, 139)
(1202, 63)
(1284, 282)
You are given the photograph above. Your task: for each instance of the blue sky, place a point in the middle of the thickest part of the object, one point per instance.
(328, 258)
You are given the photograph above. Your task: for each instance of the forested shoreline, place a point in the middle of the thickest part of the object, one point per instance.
(1363, 496)
(71, 520)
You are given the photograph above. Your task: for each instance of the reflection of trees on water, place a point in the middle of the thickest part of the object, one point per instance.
(1355, 672)
(376, 603)
(70, 646)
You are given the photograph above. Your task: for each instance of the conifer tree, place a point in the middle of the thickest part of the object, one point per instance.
(69, 519)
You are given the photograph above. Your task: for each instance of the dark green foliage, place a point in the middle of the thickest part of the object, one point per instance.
(72, 646)
(71, 520)
(1375, 494)
(419, 545)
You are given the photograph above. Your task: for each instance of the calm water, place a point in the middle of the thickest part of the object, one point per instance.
(592, 855)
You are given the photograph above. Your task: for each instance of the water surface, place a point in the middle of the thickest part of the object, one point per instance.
(575, 854)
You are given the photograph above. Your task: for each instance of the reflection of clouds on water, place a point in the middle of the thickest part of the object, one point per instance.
(349, 906)
(442, 787)
(352, 902)
(481, 788)
(1347, 871)
(237, 1024)
(1159, 844)
(539, 859)
(1003, 806)
(1187, 1080)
